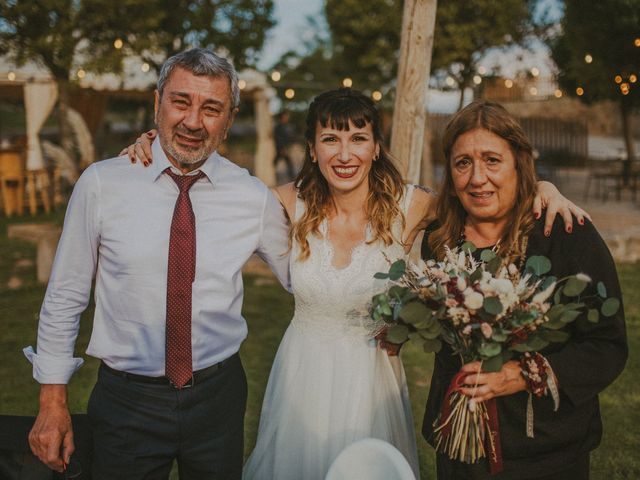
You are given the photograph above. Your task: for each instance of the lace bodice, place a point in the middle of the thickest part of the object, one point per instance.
(332, 301)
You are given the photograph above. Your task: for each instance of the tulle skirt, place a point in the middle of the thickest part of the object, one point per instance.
(324, 393)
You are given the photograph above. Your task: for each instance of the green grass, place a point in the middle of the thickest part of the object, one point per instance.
(268, 311)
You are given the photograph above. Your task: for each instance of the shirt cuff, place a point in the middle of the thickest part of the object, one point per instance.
(52, 370)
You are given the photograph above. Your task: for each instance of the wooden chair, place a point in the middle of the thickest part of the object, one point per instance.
(12, 180)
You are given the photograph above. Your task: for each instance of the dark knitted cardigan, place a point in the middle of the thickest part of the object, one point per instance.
(585, 365)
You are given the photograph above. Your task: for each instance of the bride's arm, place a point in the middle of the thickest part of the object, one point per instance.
(141, 148)
(286, 195)
(422, 210)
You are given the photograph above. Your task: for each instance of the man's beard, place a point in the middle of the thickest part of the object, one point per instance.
(196, 155)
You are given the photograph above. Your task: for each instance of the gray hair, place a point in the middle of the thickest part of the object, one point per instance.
(201, 61)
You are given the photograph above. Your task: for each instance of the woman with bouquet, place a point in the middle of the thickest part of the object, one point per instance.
(330, 384)
(486, 199)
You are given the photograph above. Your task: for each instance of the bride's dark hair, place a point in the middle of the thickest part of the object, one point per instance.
(336, 108)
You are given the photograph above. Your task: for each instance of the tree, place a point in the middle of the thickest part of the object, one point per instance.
(607, 31)
(63, 35)
(367, 40)
(466, 30)
(236, 27)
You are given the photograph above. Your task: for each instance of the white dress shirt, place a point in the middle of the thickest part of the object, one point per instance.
(117, 228)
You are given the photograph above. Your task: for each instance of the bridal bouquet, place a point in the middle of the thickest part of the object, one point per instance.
(487, 311)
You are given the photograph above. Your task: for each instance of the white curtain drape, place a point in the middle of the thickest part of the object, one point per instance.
(39, 99)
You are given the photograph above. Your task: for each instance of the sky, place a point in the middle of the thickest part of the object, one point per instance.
(290, 16)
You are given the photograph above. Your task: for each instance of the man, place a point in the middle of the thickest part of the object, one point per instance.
(284, 135)
(166, 245)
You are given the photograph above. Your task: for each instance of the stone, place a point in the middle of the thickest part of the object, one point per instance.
(14, 283)
(45, 236)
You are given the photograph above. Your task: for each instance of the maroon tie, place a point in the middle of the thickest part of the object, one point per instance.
(181, 273)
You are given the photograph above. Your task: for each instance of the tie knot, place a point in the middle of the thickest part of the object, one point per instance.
(185, 182)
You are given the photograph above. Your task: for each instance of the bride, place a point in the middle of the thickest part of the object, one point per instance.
(330, 384)
(351, 213)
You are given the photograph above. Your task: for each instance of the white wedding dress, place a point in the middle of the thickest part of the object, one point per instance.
(330, 384)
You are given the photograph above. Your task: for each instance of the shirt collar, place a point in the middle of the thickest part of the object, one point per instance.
(211, 167)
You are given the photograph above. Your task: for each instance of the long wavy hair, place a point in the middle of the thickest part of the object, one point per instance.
(336, 108)
(451, 214)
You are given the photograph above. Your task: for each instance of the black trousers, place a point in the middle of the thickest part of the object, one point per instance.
(139, 429)
(452, 470)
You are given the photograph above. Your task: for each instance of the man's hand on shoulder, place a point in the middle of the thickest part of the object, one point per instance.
(51, 438)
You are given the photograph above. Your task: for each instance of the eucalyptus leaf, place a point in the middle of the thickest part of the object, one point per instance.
(610, 307)
(468, 247)
(494, 265)
(415, 312)
(381, 275)
(538, 264)
(593, 315)
(555, 312)
(386, 310)
(432, 346)
(557, 297)
(536, 342)
(492, 305)
(397, 334)
(397, 291)
(547, 282)
(521, 347)
(476, 275)
(487, 255)
(492, 364)
(432, 332)
(555, 335)
(396, 310)
(554, 324)
(602, 290)
(489, 349)
(569, 316)
(574, 287)
(397, 269)
(498, 336)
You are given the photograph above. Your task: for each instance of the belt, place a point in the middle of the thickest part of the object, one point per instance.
(197, 376)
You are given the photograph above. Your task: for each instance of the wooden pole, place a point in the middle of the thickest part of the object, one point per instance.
(265, 147)
(418, 24)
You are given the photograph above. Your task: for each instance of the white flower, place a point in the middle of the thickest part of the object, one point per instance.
(466, 330)
(418, 268)
(503, 286)
(583, 277)
(486, 330)
(540, 297)
(472, 299)
(461, 284)
(458, 315)
(462, 258)
(451, 302)
(508, 300)
(513, 270)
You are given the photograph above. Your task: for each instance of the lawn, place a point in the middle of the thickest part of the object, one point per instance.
(268, 310)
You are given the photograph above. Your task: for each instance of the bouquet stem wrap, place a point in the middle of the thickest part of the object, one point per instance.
(467, 434)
